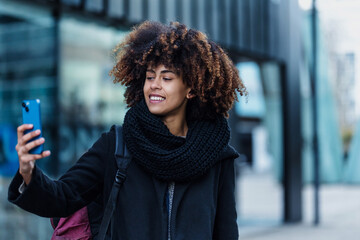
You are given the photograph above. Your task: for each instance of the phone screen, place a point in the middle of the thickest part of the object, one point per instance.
(31, 115)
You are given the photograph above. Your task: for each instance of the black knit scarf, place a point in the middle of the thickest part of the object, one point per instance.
(172, 158)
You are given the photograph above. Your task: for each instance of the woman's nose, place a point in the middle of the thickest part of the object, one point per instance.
(156, 84)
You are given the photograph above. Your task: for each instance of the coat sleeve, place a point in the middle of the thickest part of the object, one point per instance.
(225, 221)
(75, 189)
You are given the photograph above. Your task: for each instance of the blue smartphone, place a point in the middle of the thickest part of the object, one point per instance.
(31, 115)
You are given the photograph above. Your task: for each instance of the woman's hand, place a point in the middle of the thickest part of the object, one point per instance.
(26, 159)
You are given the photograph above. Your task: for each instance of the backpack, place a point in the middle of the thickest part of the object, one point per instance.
(92, 222)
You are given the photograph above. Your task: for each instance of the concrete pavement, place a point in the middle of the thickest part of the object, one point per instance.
(260, 211)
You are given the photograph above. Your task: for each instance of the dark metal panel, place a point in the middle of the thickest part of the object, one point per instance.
(145, 9)
(170, 11)
(186, 15)
(94, 5)
(201, 16)
(228, 23)
(72, 2)
(266, 32)
(256, 25)
(241, 24)
(260, 26)
(215, 21)
(273, 25)
(154, 9)
(235, 23)
(126, 7)
(194, 8)
(105, 8)
(243, 29)
(209, 26)
(179, 10)
(135, 11)
(162, 11)
(116, 9)
(246, 24)
(221, 23)
(253, 17)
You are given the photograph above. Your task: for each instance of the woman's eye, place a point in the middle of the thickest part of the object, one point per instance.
(149, 78)
(167, 79)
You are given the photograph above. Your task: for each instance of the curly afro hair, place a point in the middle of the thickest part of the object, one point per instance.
(203, 65)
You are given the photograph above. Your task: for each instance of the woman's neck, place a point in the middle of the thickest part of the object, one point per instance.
(177, 126)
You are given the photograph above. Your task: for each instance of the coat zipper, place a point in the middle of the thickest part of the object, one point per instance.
(171, 190)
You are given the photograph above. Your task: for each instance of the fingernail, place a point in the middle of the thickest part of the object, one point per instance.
(37, 131)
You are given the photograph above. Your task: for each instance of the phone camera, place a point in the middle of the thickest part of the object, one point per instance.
(24, 105)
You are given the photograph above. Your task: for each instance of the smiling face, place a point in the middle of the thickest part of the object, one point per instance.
(165, 92)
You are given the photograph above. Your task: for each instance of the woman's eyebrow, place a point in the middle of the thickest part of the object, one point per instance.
(163, 71)
(167, 71)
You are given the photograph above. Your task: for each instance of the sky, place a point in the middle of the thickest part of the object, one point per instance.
(343, 17)
(344, 14)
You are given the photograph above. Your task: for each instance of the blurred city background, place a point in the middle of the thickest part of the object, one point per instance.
(298, 131)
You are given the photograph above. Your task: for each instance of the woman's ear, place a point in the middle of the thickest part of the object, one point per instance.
(190, 94)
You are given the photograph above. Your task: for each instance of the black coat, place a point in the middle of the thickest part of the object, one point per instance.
(202, 209)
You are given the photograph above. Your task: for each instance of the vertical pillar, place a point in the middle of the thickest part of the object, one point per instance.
(314, 113)
(289, 40)
(55, 127)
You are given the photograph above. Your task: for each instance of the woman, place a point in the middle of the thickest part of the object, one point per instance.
(180, 183)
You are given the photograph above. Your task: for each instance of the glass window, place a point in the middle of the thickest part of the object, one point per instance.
(90, 101)
(254, 105)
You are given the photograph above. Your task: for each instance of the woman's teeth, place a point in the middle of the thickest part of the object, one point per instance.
(157, 98)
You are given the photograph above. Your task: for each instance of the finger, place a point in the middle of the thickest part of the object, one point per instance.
(22, 128)
(30, 136)
(32, 145)
(45, 154)
(31, 157)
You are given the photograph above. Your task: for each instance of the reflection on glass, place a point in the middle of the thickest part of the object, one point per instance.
(87, 94)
